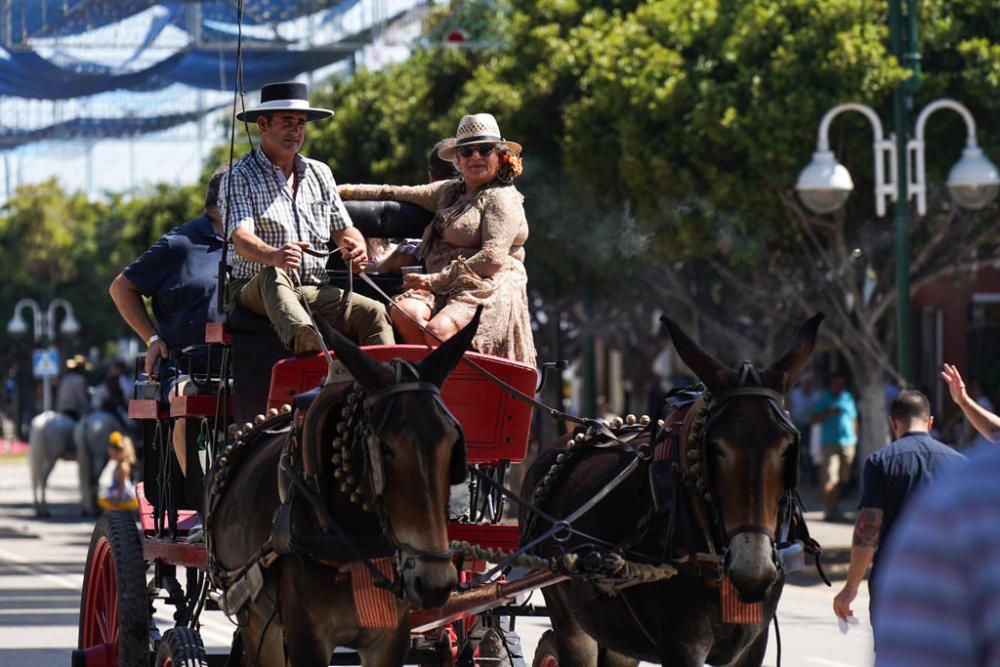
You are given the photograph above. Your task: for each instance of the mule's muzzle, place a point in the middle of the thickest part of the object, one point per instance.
(751, 563)
(428, 585)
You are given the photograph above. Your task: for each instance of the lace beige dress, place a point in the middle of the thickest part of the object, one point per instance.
(474, 254)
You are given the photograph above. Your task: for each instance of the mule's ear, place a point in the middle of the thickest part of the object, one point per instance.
(783, 373)
(716, 375)
(371, 373)
(436, 365)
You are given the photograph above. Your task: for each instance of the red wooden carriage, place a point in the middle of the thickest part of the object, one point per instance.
(131, 567)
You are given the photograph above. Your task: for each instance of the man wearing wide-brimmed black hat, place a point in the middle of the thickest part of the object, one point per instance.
(276, 203)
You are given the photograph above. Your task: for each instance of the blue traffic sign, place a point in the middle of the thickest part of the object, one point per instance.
(45, 363)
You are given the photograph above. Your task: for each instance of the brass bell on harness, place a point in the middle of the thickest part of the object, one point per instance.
(660, 423)
(339, 473)
(356, 498)
(344, 488)
(617, 422)
(272, 413)
(693, 454)
(247, 427)
(345, 453)
(259, 419)
(238, 435)
(346, 412)
(367, 506)
(342, 427)
(644, 420)
(346, 467)
(554, 470)
(561, 457)
(335, 460)
(286, 408)
(630, 420)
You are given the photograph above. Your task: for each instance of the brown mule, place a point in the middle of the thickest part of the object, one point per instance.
(746, 453)
(410, 449)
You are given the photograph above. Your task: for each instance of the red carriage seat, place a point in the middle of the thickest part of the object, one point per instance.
(496, 424)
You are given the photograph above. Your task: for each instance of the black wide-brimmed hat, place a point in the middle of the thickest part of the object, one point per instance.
(284, 96)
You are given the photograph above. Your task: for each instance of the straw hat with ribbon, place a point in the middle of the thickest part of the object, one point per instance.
(479, 128)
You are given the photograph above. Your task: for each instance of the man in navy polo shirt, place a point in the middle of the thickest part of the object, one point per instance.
(890, 476)
(179, 273)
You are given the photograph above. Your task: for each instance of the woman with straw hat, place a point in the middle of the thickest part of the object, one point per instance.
(473, 249)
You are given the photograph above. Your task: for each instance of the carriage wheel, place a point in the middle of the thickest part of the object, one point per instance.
(114, 611)
(546, 653)
(181, 647)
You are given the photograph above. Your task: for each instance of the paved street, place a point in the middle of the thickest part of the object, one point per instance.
(41, 572)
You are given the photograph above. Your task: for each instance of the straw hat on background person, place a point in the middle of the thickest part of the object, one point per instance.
(78, 362)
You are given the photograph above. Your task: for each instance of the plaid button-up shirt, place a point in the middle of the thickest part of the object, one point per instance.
(262, 202)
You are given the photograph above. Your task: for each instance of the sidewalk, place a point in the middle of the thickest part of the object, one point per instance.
(834, 537)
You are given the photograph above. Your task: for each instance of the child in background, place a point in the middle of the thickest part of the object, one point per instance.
(121, 494)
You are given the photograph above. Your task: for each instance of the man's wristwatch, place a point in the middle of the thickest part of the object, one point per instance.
(152, 339)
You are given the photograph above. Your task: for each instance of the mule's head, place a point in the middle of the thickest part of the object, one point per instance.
(750, 454)
(416, 452)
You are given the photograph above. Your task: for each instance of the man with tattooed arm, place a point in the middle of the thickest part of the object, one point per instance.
(890, 476)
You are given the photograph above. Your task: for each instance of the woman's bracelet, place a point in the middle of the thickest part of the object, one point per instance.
(152, 339)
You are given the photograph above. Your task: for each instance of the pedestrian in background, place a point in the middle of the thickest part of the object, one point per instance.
(801, 400)
(937, 600)
(837, 414)
(889, 478)
(72, 398)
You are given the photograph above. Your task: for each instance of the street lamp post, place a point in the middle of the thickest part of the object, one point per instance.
(973, 181)
(44, 330)
(825, 184)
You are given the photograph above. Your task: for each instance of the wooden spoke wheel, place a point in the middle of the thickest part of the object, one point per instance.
(546, 653)
(181, 647)
(114, 610)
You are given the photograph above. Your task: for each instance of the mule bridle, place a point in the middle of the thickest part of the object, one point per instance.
(406, 552)
(697, 426)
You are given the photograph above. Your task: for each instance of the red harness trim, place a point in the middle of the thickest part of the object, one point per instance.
(375, 607)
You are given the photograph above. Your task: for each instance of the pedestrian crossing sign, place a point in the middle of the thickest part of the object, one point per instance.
(45, 364)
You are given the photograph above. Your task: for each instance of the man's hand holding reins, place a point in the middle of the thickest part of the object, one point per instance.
(354, 253)
(289, 255)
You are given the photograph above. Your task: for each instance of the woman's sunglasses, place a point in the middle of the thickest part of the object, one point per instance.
(482, 149)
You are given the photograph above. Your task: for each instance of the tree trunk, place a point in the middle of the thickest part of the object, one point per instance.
(874, 425)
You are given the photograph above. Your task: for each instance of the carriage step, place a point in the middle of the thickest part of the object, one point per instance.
(146, 408)
(217, 333)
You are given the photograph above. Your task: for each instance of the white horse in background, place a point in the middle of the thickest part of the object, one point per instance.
(56, 436)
